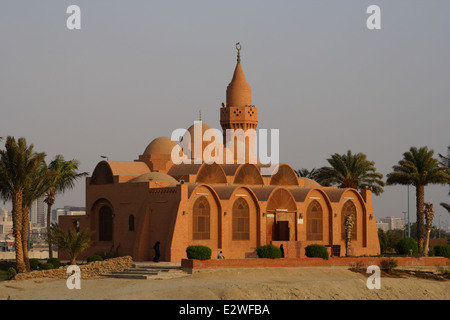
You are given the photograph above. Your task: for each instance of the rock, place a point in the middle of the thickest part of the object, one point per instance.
(89, 271)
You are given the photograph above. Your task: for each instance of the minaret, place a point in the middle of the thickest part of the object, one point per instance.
(238, 112)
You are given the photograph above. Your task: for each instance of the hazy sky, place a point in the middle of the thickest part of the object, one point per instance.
(139, 69)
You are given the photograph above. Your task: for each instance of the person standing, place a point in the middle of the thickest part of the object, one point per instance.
(282, 251)
(157, 253)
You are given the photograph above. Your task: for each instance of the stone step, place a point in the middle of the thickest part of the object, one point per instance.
(131, 271)
(126, 276)
(160, 267)
(149, 272)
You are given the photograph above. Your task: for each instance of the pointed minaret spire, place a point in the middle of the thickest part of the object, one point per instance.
(238, 111)
(239, 93)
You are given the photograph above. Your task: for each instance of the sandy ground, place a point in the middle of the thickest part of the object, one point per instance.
(336, 283)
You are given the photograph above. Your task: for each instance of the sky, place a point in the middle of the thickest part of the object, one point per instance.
(137, 70)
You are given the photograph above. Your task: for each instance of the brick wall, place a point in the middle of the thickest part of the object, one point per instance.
(309, 262)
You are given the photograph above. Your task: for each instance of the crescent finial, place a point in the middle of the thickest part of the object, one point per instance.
(238, 48)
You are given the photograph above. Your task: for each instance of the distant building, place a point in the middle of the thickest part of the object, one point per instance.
(392, 222)
(383, 226)
(38, 237)
(38, 214)
(5, 222)
(66, 211)
(6, 229)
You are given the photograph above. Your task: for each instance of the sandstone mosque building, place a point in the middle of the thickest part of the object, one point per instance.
(233, 208)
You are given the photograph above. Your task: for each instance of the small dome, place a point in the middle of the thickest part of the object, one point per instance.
(161, 145)
(204, 128)
(310, 183)
(155, 177)
(191, 131)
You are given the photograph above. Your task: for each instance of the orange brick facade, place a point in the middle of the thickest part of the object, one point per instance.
(192, 265)
(232, 208)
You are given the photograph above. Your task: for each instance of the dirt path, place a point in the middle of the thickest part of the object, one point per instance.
(260, 284)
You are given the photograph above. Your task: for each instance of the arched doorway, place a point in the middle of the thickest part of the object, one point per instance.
(281, 216)
(105, 223)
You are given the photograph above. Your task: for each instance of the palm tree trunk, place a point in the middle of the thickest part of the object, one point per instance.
(17, 231)
(427, 243)
(50, 246)
(25, 233)
(420, 195)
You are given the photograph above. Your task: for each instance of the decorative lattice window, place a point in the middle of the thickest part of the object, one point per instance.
(348, 208)
(241, 220)
(201, 219)
(314, 221)
(105, 224)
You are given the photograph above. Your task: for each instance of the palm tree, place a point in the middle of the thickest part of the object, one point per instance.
(17, 163)
(351, 171)
(445, 161)
(419, 168)
(72, 242)
(63, 176)
(446, 206)
(35, 189)
(305, 173)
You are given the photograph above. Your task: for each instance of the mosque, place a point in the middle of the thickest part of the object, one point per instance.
(229, 207)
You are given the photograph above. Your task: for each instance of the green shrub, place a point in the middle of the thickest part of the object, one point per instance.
(442, 250)
(388, 264)
(198, 252)
(94, 257)
(316, 251)
(106, 255)
(55, 262)
(11, 273)
(47, 266)
(406, 246)
(269, 252)
(34, 264)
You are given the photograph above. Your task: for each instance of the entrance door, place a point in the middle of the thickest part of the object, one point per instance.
(281, 231)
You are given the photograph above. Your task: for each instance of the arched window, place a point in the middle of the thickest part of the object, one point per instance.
(241, 217)
(131, 223)
(105, 224)
(201, 219)
(314, 221)
(348, 208)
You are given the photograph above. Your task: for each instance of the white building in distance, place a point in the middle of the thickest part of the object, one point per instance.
(391, 222)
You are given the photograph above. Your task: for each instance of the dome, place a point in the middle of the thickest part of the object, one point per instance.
(155, 177)
(191, 131)
(161, 145)
(204, 128)
(310, 183)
